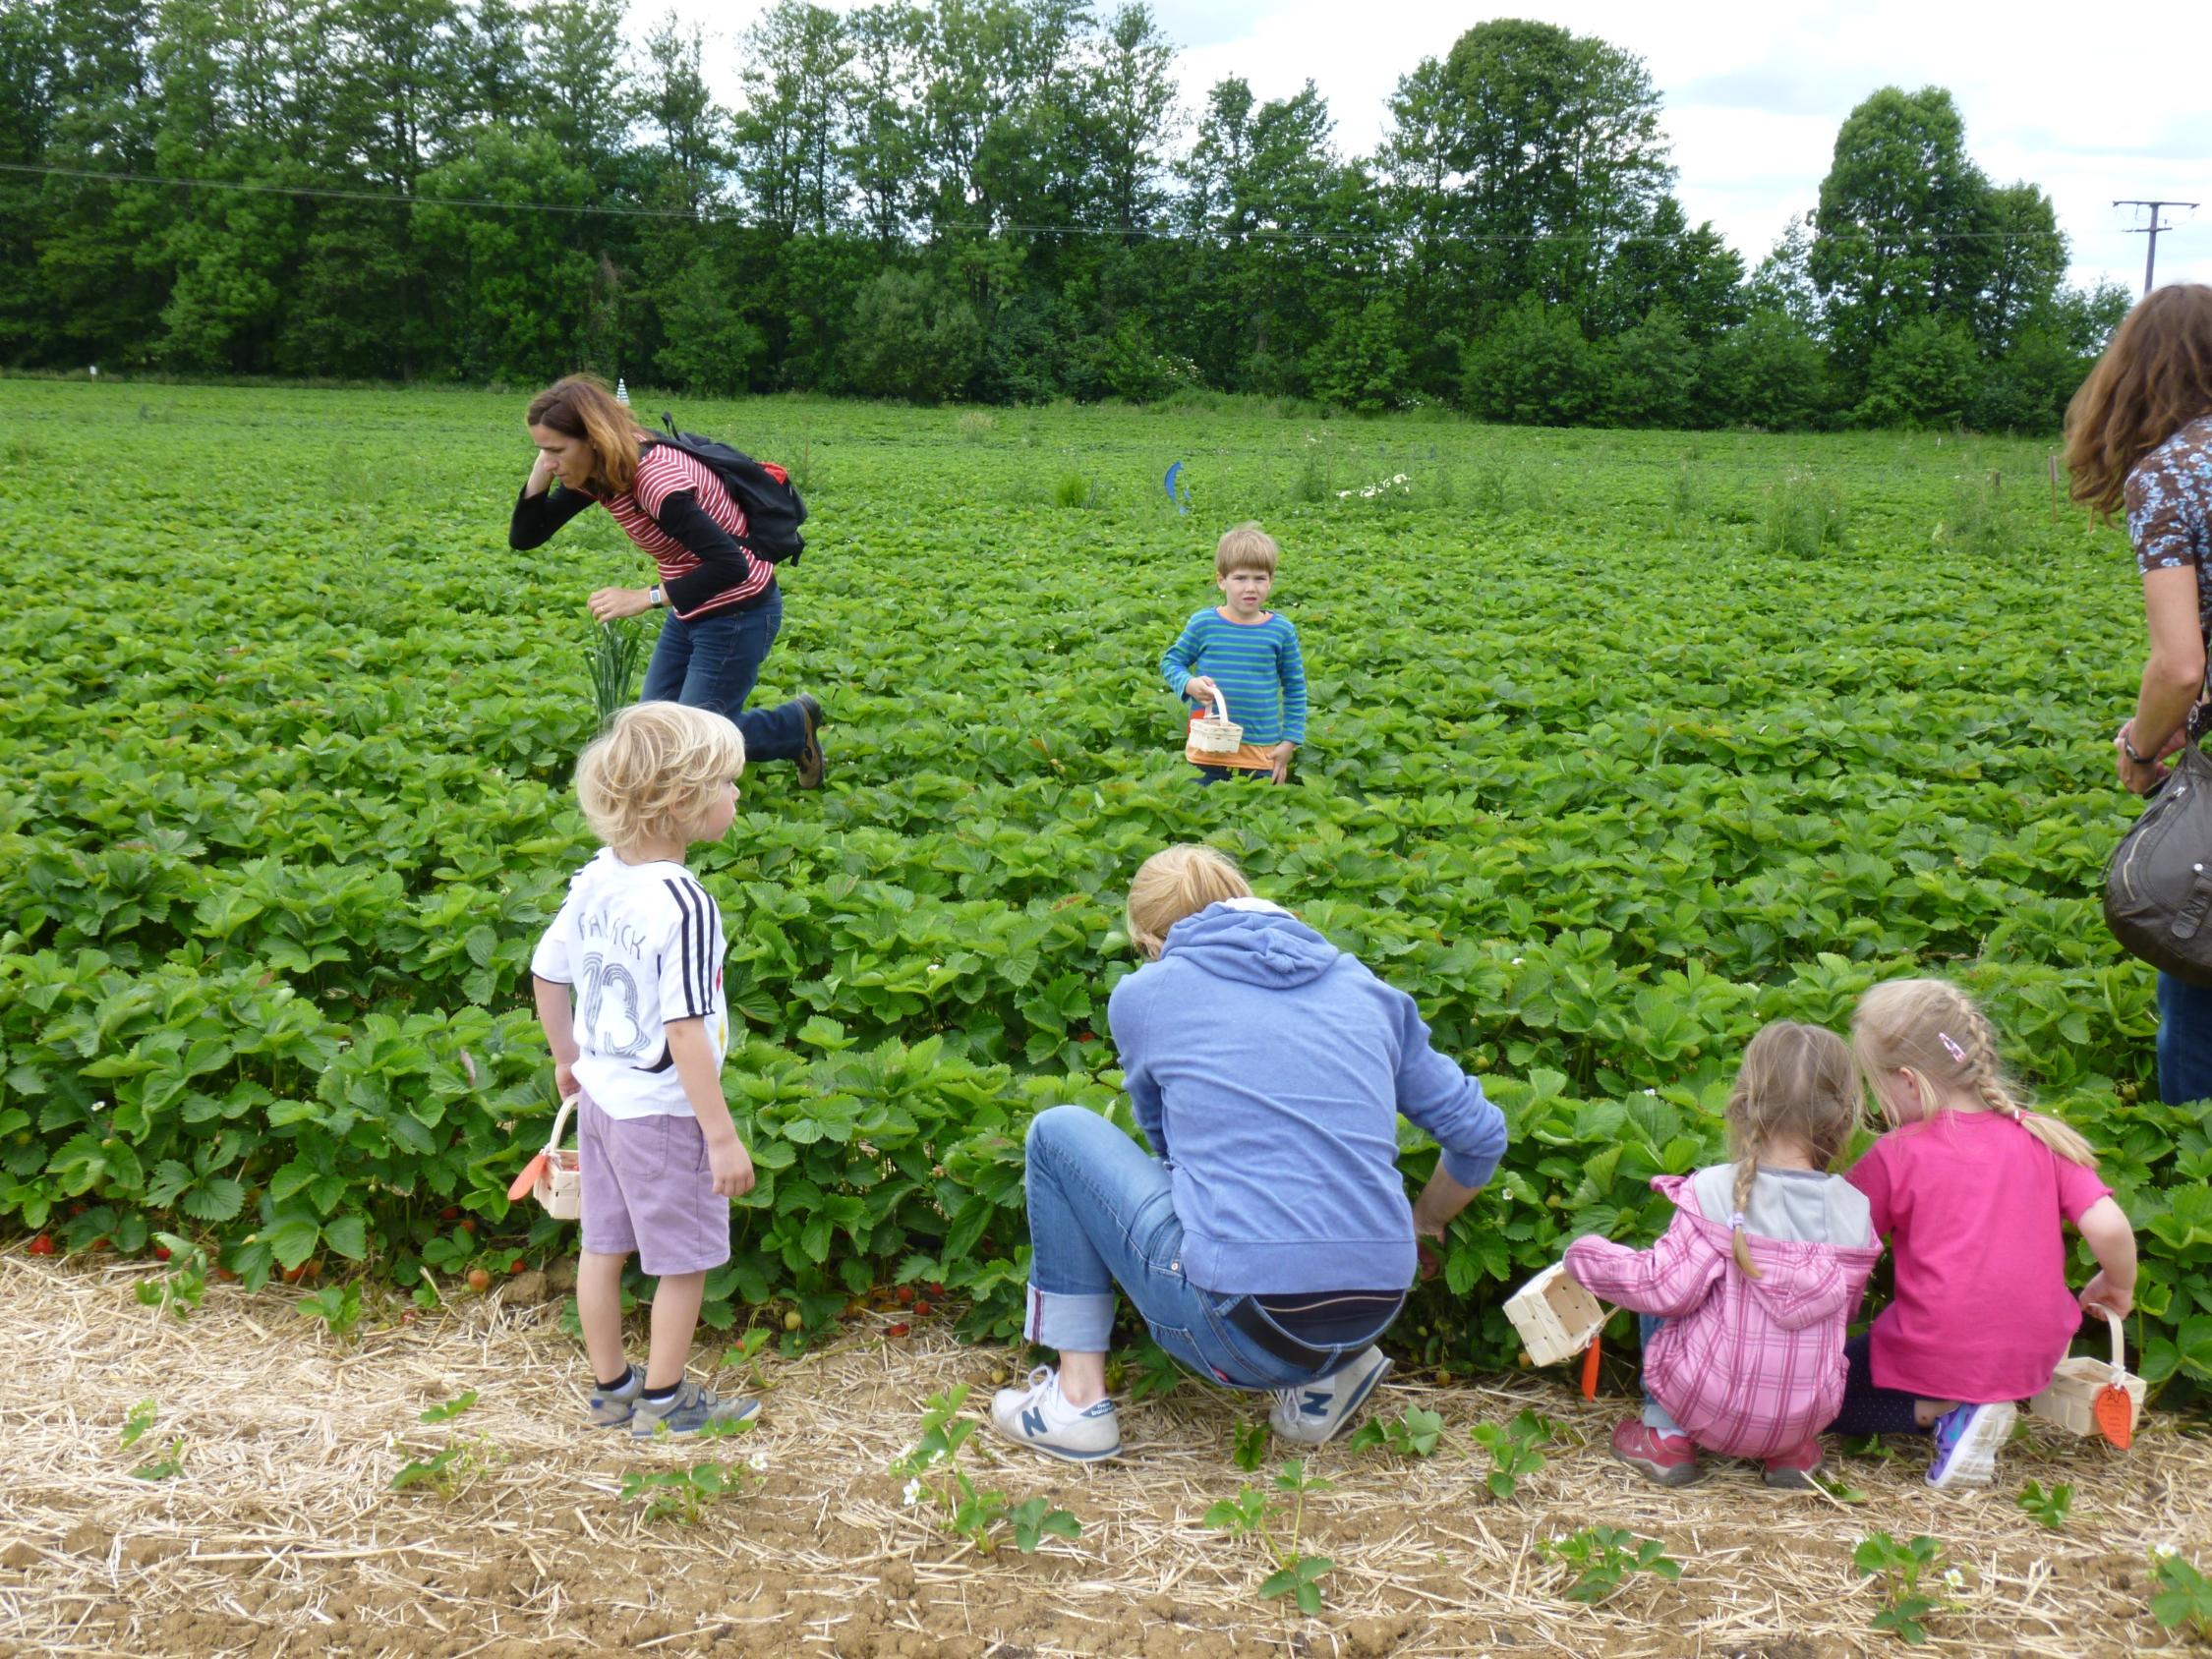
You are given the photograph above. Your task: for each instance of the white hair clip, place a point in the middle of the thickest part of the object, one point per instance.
(1951, 1048)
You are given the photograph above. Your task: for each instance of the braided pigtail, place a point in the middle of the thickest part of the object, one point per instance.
(1796, 1088)
(1931, 1032)
(1739, 1241)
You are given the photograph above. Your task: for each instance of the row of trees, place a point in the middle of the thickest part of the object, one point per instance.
(996, 199)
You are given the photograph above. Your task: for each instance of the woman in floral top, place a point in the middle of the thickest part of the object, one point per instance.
(2139, 435)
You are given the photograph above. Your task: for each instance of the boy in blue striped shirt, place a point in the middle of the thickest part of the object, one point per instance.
(1249, 656)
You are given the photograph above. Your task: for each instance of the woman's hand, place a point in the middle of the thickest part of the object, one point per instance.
(541, 475)
(2138, 777)
(612, 605)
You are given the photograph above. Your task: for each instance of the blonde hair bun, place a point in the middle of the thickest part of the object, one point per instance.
(1178, 881)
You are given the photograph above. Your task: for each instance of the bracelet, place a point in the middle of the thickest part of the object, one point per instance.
(2128, 748)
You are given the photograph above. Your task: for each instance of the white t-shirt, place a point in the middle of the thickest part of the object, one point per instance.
(638, 945)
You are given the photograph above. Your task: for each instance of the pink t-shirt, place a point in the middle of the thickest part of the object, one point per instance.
(1972, 1205)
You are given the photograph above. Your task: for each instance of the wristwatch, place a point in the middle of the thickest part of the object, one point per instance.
(2128, 748)
(655, 597)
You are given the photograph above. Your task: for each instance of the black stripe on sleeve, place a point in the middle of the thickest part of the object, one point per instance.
(688, 932)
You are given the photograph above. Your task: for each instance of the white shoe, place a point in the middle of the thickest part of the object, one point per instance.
(1314, 1412)
(1036, 1416)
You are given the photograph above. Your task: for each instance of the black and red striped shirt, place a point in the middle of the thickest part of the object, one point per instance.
(681, 516)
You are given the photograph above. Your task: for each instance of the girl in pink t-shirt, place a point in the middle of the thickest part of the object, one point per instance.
(1973, 1192)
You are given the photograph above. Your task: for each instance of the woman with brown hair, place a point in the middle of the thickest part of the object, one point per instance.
(725, 607)
(2139, 435)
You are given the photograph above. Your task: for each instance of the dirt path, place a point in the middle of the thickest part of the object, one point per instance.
(281, 1533)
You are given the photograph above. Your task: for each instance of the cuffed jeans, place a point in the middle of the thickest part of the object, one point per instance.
(2184, 1041)
(713, 663)
(1656, 1416)
(1100, 1213)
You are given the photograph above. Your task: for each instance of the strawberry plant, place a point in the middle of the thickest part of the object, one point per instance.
(930, 1467)
(293, 807)
(1253, 1513)
(1605, 1557)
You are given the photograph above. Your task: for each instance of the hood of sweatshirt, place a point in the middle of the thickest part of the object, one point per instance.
(1799, 1282)
(1252, 942)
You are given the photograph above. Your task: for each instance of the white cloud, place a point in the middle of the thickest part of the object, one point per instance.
(2089, 107)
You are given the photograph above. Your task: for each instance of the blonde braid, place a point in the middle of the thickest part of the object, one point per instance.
(1987, 1079)
(1747, 1170)
(1983, 1068)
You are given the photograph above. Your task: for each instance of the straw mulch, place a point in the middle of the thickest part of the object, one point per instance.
(281, 1534)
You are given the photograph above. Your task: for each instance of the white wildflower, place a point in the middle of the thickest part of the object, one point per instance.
(1955, 1578)
(2163, 1552)
(758, 1463)
(912, 1494)
(1516, 961)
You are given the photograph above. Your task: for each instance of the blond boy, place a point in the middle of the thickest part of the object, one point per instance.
(639, 944)
(1248, 657)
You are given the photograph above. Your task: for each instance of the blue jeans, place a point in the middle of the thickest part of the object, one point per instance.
(1656, 1415)
(1101, 1212)
(2184, 1041)
(713, 663)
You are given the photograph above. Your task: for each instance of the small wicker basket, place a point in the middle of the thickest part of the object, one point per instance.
(2071, 1401)
(559, 1186)
(1215, 733)
(1556, 1317)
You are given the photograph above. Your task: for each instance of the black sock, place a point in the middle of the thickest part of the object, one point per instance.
(619, 1383)
(660, 1397)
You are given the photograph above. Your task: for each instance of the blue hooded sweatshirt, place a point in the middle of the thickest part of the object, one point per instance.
(1268, 1068)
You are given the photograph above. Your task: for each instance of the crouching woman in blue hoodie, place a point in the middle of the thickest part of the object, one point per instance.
(1267, 1241)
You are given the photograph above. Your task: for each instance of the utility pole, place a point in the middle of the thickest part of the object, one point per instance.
(2150, 261)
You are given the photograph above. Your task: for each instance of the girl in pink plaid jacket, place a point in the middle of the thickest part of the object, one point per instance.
(1746, 1296)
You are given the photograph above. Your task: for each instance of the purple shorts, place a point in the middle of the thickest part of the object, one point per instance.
(646, 1188)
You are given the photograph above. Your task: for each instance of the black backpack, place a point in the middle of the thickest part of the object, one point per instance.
(762, 489)
(2158, 887)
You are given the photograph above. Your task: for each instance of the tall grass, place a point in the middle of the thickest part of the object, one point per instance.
(614, 655)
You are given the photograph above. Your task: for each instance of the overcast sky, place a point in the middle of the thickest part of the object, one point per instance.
(2091, 103)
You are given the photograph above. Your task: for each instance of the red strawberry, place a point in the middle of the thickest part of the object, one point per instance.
(161, 1252)
(898, 1330)
(42, 1246)
(922, 1310)
(905, 1294)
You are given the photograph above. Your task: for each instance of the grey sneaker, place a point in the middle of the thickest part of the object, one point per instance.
(1036, 1415)
(1318, 1411)
(688, 1410)
(611, 1408)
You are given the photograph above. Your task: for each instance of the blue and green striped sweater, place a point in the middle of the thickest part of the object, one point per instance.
(1261, 676)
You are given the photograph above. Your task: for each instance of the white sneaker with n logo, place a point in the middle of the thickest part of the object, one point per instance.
(1035, 1415)
(1318, 1411)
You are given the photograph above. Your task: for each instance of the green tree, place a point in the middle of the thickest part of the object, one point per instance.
(1519, 163)
(1769, 373)
(1359, 363)
(1530, 367)
(1926, 374)
(1647, 376)
(513, 292)
(1128, 104)
(883, 152)
(790, 141)
(911, 338)
(1903, 229)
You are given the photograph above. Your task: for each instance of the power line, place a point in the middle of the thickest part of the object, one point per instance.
(721, 211)
(2150, 258)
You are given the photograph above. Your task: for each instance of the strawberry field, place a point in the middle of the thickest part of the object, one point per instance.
(1622, 744)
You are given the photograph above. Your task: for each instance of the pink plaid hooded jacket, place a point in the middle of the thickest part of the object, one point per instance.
(1749, 1367)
